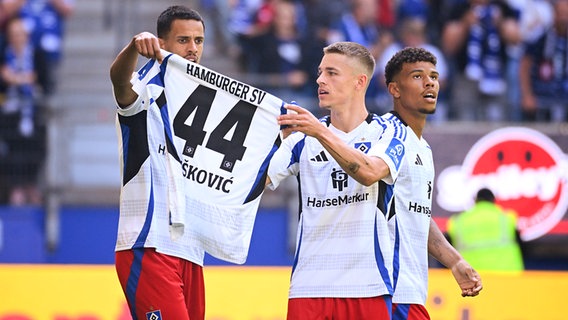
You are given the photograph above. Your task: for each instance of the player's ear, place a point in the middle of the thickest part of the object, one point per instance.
(393, 89)
(362, 81)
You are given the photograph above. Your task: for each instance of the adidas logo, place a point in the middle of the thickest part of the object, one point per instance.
(418, 161)
(320, 157)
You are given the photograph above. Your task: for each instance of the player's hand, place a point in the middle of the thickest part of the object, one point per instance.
(467, 278)
(300, 119)
(148, 45)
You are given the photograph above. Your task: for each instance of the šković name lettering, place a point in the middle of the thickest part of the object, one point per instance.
(211, 180)
(234, 87)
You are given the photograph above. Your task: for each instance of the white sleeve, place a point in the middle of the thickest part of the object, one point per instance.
(285, 161)
(391, 149)
(139, 83)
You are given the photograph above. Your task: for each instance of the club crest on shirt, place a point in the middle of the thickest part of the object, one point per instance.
(363, 146)
(154, 315)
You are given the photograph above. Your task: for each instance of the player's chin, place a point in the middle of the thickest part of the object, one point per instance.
(324, 105)
(427, 111)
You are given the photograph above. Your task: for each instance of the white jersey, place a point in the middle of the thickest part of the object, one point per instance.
(144, 208)
(409, 219)
(221, 135)
(343, 246)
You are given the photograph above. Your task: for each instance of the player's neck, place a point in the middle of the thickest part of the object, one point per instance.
(417, 125)
(347, 120)
(416, 120)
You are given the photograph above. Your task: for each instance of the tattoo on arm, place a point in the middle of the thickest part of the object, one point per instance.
(353, 167)
(434, 248)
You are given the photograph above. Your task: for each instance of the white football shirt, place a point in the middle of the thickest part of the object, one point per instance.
(343, 247)
(409, 218)
(221, 136)
(144, 207)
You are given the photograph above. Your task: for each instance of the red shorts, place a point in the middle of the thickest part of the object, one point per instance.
(402, 311)
(158, 286)
(378, 308)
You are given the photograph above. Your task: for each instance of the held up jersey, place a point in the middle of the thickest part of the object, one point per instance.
(144, 206)
(221, 135)
(343, 247)
(409, 218)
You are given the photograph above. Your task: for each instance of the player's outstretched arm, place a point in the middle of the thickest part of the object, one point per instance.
(363, 168)
(124, 65)
(467, 278)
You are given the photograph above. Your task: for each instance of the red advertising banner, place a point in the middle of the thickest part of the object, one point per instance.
(526, 168)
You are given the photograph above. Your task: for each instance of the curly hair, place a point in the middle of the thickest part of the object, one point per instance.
(406, 55)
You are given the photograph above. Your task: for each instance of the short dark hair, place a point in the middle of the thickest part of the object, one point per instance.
(406, 55)
(484, 194)
(167, 17)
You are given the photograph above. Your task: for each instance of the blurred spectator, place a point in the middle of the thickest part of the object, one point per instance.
(22, 140)
(248, 21)
(4, 16)
(281, 58)
(19, 75)
(217, 12)
(386, 13)
(412, 9)
(359, 24)
(487, 236)
(428, 10)
(475, 40)
(45, 20)
(543, 71)
(535, 16)
(319, 15)
(412, 33)
(8, 9)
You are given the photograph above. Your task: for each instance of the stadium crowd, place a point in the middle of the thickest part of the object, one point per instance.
(502, 60)
(31, 35)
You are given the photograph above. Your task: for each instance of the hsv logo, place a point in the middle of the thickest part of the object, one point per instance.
(525, 169)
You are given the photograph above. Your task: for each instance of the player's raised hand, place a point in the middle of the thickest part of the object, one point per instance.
(148, 45)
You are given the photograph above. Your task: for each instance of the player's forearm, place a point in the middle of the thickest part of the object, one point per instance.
(124, 65)
(121, 72)
(440, 248)
(365, 169)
